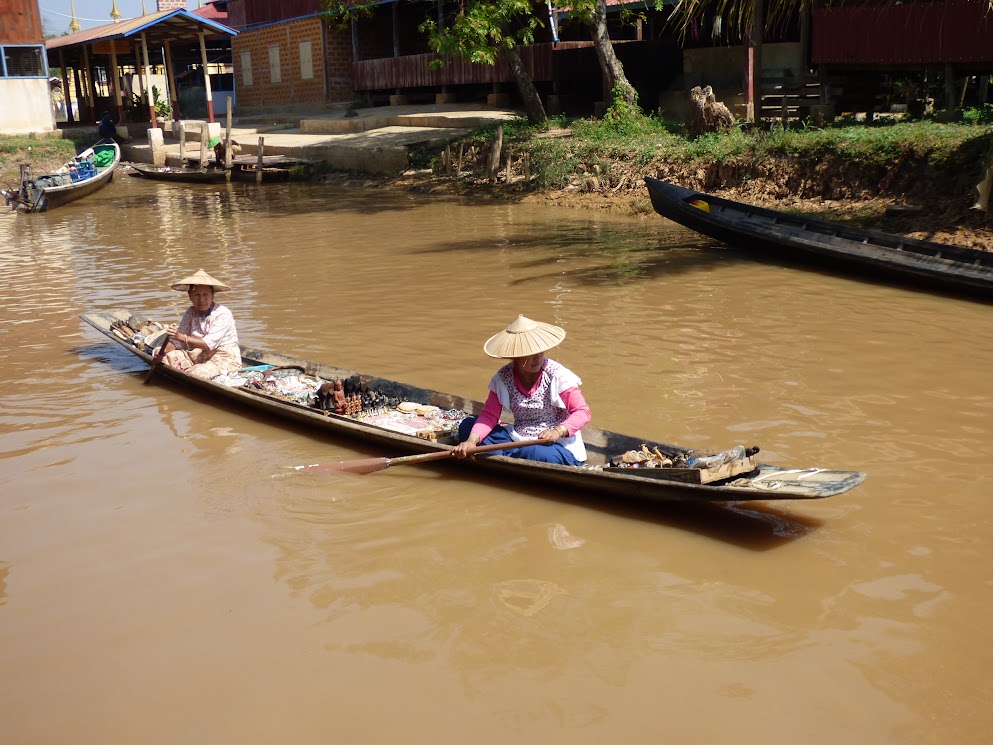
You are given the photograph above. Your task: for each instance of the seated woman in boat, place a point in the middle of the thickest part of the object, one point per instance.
(205, 342)
(543, 396)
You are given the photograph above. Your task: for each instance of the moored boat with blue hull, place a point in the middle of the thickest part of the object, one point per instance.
(874, 253)
(89, 171)
(618, 466)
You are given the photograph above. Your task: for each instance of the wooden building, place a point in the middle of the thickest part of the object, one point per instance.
(24, 87)
(287, 53)
(113, 68)
(913, 49)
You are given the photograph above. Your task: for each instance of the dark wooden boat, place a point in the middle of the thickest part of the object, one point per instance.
(739, 480)
(181, 175)
(89, 171)
(873, 252)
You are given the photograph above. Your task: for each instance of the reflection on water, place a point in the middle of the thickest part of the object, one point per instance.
(153, 545)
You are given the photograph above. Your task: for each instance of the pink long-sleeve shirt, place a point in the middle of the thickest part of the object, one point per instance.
(578, 410)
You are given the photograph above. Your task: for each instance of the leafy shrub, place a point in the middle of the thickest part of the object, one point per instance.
(980, 115)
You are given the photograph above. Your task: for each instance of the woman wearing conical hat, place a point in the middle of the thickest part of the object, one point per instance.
(543, 396)
(205, 342)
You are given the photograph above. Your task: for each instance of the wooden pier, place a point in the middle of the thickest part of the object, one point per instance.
(251, 167)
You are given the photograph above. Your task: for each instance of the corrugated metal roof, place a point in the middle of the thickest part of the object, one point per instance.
(212, 12)
(175, 25)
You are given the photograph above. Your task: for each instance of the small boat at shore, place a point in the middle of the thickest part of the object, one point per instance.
(180, 175)
(871, 252)
(408, 418)
(89, 171)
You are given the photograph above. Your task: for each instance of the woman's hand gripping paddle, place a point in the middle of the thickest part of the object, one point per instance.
(371, 465)
(156, 361)
(158, 354)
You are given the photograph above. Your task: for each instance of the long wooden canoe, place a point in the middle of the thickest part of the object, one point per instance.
(181, 175)
(740, 481)
(872, 252)
(89, 171)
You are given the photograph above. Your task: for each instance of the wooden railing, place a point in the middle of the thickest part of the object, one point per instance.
(415, 71)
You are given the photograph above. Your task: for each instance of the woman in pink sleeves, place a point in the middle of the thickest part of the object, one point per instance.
(543, 396)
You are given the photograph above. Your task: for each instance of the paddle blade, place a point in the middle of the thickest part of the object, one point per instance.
(368, 465)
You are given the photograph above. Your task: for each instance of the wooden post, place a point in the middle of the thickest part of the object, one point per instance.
(507, 176)
(171, 77)
(396, 29)
(227, 139)
(527, 166)
(67, 94)
(115, 76)
(458, 170)
(148, 80)
(80, 101)
(206, 76)
(949, 87)
(753, 63)
(182, 145)
(204, 137)
(804, 38)
(89, 83)
(258, 166)
(138, 69)
(823, 84)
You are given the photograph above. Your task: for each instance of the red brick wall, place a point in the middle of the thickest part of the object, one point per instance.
(20, 22)
(292, 89)
(341, 86)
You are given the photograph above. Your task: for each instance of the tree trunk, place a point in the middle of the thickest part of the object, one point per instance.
(613, 71)
(525, 86)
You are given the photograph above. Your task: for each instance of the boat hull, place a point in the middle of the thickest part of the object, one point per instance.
(869, 252)
(33, 198)
(762, 482)
(180, 175)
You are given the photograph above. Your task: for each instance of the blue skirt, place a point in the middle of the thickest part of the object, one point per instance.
(553, 453)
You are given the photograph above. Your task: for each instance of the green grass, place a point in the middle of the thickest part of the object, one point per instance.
(41, 146)
(44, 154)
(651, 142)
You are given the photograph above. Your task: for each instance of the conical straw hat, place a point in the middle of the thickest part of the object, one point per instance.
(199, 278)
(523, 338)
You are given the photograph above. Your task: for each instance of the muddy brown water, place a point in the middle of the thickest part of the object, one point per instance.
(158, 586)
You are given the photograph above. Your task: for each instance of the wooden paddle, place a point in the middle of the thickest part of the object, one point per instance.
(371, 465)
(156, 360)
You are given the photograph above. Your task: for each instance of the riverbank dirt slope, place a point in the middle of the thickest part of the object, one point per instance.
(909, 199)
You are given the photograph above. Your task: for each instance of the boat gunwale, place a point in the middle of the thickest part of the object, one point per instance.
(183, 175)
(619, 482)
